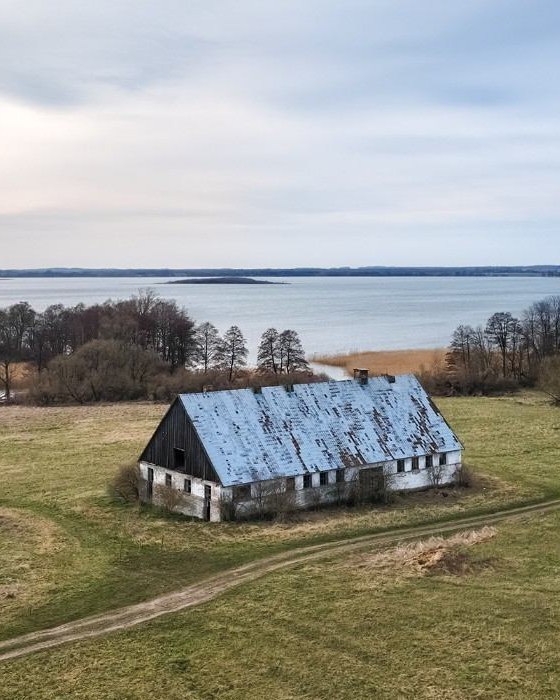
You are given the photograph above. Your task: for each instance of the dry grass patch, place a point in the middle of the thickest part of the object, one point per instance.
(446, 554)
(385, 361)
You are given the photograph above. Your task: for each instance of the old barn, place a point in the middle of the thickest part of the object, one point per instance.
(240, 452)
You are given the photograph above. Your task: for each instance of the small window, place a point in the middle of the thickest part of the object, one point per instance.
(168, 480)
(400, 466)
(443, 459)
(242, 493)
(307, 481)
(340, 476)
(187, 486)
(291, 483)
(415, 464)
(324, 478)
(178, 458)
(429, 461)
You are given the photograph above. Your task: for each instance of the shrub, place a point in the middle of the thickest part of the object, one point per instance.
(126, 484)
(168, 498)
(463, 476)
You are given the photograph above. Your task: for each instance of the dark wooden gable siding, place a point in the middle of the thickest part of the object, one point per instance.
(177, 431)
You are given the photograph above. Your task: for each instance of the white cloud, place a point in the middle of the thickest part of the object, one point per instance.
(276, 134)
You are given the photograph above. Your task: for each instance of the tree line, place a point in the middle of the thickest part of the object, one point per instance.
(142, 347)
(505, 352)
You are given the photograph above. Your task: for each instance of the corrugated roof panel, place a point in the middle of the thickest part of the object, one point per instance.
(316, 427)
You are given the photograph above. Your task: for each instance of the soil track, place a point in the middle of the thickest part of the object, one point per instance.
(210, 588)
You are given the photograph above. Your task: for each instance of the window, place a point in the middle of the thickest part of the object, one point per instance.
(429, 461)
(307, 481)
(443, 459)
(400, 466)
(178, 458)
(415, 464)
(340, 476)
(324, 478)
(291, 483)
(187, 486)
(242, 493)
(168, 480)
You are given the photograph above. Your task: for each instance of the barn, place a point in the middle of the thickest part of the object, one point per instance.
(239, 452)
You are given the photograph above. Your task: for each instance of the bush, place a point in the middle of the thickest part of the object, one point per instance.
(463, 476)
(126, 484)
(168, 498)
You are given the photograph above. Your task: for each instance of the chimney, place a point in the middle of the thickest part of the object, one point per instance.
(361, 376)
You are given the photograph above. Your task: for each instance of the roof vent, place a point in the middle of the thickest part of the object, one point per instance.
(390, 378)
(361, 376)
(257, 390)
(289, 388)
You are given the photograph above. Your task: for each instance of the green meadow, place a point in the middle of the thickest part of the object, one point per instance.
(68, 551)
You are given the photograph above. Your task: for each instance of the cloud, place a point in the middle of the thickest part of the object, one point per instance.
(136, 133)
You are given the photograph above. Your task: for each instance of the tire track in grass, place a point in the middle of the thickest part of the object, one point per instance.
(210, 588)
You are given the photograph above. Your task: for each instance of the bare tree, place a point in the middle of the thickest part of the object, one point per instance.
(232, 351)
(291, 353)
(268, 355)
(435, 473)
(500, 328)
(207, 341)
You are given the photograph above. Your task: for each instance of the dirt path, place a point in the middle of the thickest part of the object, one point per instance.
(210, 588)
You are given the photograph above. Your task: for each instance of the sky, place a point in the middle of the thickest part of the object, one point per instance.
(195, 133)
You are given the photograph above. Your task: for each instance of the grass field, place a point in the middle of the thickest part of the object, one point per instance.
(67, 551)
(437, 621)
(385, 361)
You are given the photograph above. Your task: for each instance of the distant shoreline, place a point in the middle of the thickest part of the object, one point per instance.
(373, 271)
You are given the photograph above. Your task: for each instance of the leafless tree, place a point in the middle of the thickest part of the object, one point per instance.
(207, 341)
(268, 356)
(291, 353)
(436, 474)
(232, 351)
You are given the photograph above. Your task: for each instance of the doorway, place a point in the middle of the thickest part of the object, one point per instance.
(207, 500)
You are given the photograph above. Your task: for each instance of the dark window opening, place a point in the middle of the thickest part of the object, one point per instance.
(178, 458)
(291, 483)
(242, 493)
(443, 459)
(429, 461)
(415, 464)
(168, 480)
(400, 466)
(187, 486)
(324, 478)
(207, 492)
(307, 481)
(339, 476)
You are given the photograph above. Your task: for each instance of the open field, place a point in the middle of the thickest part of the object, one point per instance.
(68, 552)
(385, 361)
(476, 616)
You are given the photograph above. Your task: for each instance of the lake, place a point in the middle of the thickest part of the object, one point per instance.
(331, 314)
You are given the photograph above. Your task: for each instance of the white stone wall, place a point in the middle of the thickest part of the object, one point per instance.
(192, 504)
(409, 480)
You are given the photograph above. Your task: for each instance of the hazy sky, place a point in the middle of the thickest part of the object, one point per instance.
(199, 133)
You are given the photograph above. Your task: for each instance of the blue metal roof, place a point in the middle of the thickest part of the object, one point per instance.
(252, 436)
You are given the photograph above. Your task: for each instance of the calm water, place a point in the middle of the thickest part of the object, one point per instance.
(331, 315)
